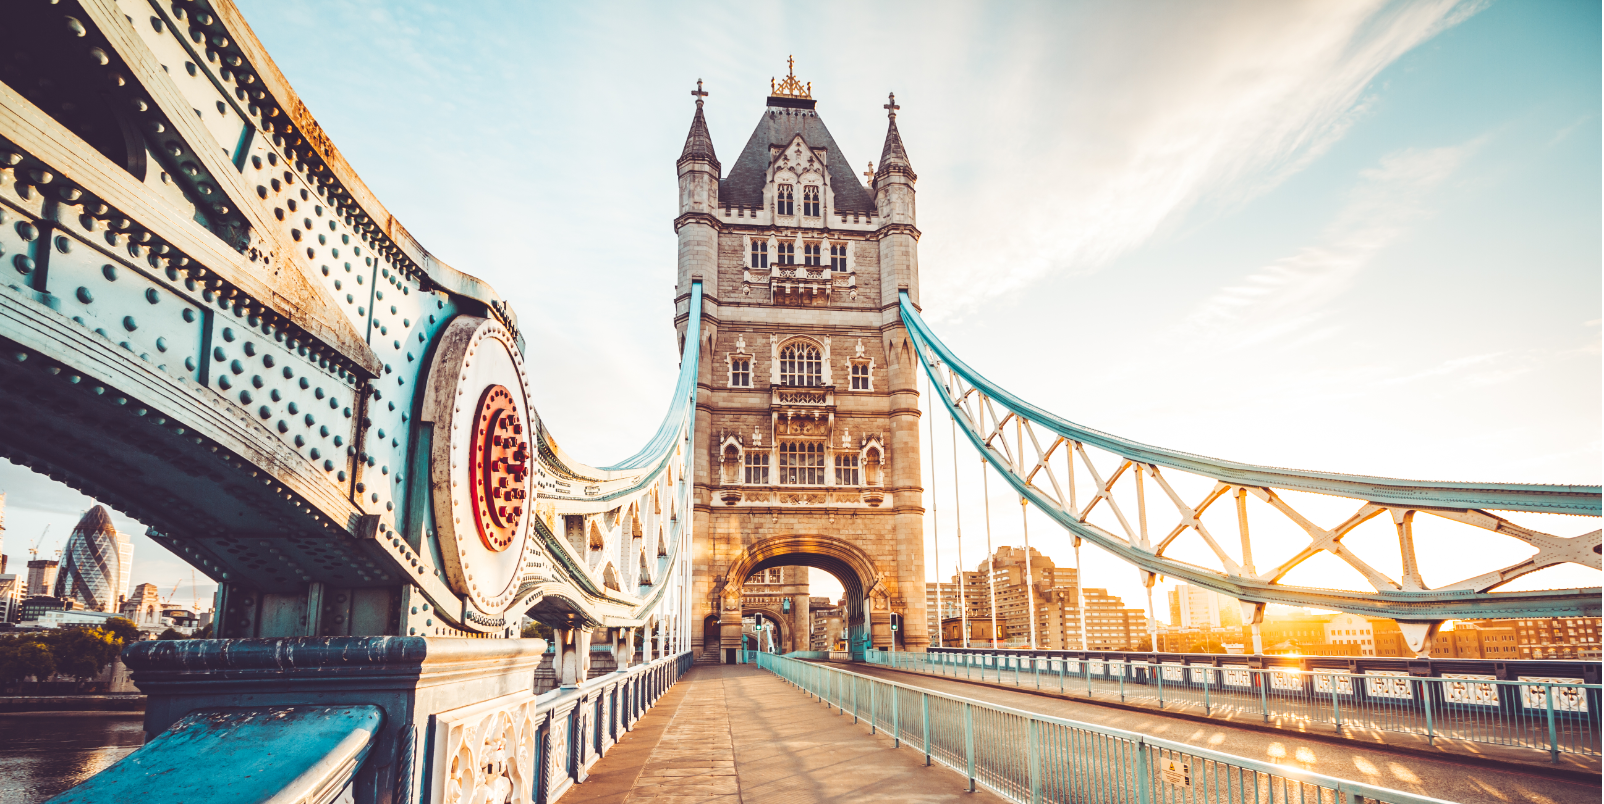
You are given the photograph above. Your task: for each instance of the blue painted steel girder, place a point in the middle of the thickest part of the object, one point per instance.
(1404, 604)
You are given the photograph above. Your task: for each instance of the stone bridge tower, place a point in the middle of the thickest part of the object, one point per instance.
(807, 424)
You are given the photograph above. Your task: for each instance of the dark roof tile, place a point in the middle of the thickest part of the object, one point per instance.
(744, 186)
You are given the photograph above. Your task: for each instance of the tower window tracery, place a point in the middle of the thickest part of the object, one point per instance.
(783, 201)
(810, 201)
(801, 365)
(757, 468)
(810, 253)
(802, 463)
(860, 375)
(786, 254)
(838, 256)
(760, 253)
(740, 372)
(846, 469)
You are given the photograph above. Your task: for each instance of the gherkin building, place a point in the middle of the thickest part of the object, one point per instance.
(95, 564)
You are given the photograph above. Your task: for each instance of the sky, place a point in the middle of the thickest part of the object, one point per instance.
(1357, 237)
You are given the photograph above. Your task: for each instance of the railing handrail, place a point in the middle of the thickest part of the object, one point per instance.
(1294, 774)
(553, 698)
(1237, 668)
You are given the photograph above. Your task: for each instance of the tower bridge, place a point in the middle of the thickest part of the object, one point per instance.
(211, 324)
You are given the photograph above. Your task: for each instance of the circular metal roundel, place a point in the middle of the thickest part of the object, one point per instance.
(499, 469)
(481, 461)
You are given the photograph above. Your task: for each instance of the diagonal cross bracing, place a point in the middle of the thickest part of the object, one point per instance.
(1407, 598)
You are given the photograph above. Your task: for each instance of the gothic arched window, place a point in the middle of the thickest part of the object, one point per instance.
(810, 253)
(783, 199)
(800, 364)
(810, 201)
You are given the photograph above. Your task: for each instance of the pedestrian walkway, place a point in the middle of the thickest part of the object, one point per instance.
(737, 734)
(1449, 778)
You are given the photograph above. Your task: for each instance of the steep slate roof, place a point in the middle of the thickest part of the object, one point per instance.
(744, 187)
(893, 153)
(699, 143)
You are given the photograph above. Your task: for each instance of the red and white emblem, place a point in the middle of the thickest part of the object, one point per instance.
(499, 474)
(481, 461)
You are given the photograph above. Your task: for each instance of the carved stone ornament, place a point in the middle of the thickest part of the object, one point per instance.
(486, 752)
(481, 464)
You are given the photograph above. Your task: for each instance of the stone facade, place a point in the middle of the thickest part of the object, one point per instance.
(807, 449)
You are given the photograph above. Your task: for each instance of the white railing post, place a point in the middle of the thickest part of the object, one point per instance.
(969, 743)
(924, 704)
(1035, 761)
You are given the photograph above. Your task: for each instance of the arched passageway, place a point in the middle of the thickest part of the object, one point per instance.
(868, 613)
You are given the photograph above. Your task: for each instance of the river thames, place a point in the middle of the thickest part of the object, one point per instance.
(42, 754)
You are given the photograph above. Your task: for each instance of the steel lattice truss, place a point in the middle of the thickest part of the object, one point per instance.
(1123, 497)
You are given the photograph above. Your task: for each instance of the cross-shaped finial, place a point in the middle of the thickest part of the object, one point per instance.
(698, 92)
(869, 174)
(790, 63)
(892, 106)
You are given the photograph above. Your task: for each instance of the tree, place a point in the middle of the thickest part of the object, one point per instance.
(83, 652)
(172, 633)
(26, 656)
(124, 630)
(205, 632)
(537, 630)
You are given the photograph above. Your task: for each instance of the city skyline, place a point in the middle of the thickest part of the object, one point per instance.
(1354, 236)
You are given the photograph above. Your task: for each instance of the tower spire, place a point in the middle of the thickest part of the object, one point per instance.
(893, 157)
(699, 143)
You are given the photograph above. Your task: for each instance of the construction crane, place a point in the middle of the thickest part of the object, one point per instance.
(33, 552)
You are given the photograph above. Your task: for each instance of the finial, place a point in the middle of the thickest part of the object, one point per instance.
(869, 174)
(698, 92)
(892, 106)
(790, 87)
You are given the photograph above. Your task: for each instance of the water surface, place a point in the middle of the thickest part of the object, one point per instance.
(45, 753)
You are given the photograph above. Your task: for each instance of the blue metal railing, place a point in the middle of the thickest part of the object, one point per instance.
(1031, 758)
(1560, 716)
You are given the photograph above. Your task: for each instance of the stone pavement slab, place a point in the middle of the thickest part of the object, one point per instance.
(736, 733)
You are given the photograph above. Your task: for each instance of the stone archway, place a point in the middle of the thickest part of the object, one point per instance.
(861, 580)
(785, 630)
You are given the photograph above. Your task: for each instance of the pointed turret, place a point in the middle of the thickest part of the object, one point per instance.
(698, 198)
(894, 157)
(699, 143)
(894, 201)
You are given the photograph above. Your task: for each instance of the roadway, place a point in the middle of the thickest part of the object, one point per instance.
(737, 734)
(1478, 777)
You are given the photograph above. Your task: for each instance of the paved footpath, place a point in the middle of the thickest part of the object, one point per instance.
(1452, 781)
(736, 734)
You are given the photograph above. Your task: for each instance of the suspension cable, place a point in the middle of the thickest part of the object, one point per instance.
(935, 521)
(991, 561)
(1080, 600)
(958, 512)
(1030, 580)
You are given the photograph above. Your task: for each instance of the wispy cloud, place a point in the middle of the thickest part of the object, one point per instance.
(1287, 299)
(1231, 103)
